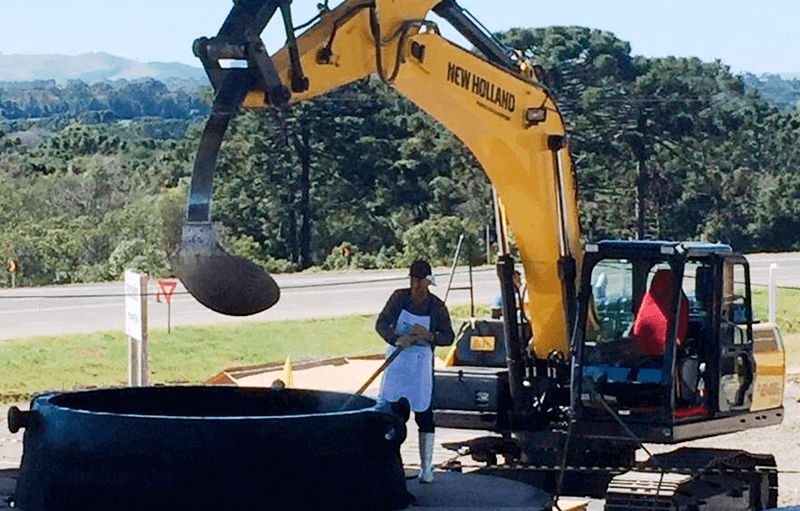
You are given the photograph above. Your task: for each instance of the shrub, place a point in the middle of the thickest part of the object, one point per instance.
(341, 257)
(364, 261)
(136, 255)
(388, 257)
(98, 272)
(280, 265)
(436, 240)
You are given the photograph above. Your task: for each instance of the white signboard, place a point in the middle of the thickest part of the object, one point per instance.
(135, 314)
(136, 328)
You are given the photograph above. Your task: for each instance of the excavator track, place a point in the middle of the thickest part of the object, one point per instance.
(687, 479)
(690, 479)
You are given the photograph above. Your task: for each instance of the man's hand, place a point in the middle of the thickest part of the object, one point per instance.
(404, 341)
(421, 335)
(417, 335)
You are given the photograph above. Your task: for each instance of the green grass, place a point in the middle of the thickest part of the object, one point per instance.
(788, 313)
(190, 354)
(787, 317)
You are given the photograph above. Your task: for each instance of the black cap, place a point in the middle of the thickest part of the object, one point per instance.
(420, 269)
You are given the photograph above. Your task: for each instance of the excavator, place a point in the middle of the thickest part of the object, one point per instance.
(618, 344)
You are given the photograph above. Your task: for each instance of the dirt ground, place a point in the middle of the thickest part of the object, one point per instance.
(782, 441)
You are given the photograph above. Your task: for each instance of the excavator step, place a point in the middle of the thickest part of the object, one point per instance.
(643, 490)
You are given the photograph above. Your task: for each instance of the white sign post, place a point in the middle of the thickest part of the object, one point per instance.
(773, 293)
(136, 328)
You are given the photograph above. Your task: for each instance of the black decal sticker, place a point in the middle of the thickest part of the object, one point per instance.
(482, 88)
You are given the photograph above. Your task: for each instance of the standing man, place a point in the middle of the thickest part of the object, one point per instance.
(416, 321)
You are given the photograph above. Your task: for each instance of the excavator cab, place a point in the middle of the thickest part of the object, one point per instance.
(664, 344)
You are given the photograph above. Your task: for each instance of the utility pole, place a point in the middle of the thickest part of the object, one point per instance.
(640, 151)
(641, 201)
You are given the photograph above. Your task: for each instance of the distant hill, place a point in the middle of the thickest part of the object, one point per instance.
(780, 90)
(92, 68)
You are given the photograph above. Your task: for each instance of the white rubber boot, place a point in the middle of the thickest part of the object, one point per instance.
(426, 457)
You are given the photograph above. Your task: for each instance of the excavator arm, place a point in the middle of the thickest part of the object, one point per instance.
(492, 103)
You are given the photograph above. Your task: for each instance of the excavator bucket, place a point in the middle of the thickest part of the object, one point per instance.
(222, 282)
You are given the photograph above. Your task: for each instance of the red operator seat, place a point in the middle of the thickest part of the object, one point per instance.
(652, 319)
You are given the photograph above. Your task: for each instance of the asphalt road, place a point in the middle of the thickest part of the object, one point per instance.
(87, 308)
(787, 271)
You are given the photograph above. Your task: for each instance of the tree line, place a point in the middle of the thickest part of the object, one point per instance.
(669, 148)
(97, 103)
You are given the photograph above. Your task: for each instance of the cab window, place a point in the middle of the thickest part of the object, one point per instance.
(612, 288)
(736, 311)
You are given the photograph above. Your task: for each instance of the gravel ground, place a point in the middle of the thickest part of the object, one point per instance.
(10, 444)
(782, 441)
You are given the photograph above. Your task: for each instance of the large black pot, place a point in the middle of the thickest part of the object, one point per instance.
(208, 448)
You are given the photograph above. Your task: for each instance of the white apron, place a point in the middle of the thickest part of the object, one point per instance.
(410, 375)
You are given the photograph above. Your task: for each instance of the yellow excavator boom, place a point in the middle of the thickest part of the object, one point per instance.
(509, 122)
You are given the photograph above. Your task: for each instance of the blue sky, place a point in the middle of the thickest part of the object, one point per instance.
(762, 38)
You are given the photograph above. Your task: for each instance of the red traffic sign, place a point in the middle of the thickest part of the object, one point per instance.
(167, 289)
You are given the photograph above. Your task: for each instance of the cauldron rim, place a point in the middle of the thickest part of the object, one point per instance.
(362, 404)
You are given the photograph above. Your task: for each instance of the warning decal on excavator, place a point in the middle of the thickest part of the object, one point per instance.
(482, 343)
(481, 87)
(768, 393)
